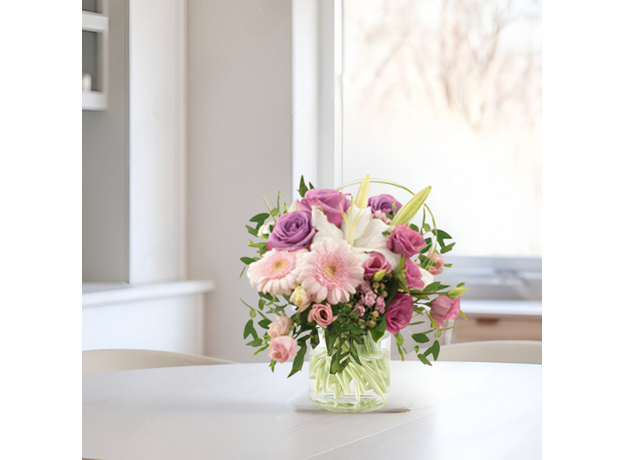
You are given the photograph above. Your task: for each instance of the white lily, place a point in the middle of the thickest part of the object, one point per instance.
(359, 229)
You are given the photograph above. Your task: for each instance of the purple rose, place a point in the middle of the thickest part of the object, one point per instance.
(413, 275)
(375, 263)
(333, 202)
(292, 231)
(405, 241)
(443, 307)
(383, 203)
(399, 313)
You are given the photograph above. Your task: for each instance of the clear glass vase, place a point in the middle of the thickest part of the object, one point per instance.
(359, 388)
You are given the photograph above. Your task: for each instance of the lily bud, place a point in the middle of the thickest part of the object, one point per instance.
(456, 292)
(361, 199)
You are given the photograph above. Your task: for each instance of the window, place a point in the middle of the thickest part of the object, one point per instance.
(448, 94)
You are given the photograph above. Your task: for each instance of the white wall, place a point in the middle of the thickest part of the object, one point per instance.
(168, 324)
(239, 148)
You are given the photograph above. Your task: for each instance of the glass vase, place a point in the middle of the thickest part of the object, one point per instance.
(358, 388)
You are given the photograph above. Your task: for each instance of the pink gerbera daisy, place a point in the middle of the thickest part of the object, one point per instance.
(331, 271)
(276, 272)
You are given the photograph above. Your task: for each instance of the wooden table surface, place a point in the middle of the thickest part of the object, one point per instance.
(243, 411)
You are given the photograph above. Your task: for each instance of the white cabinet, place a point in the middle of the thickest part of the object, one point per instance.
(95, 55)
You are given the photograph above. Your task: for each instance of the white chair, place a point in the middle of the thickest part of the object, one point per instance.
(494, 351)
(95, 361)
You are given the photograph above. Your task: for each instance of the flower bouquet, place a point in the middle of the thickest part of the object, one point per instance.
(341, 274)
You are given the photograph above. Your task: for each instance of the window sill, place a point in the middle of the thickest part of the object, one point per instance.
(502, 307)
(95, 294)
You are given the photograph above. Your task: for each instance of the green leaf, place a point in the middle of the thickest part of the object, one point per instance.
(463, 315)
(426, 228)
(436, 349)
(255, 342)
(446, 249)
(441, 235)
(261, 349)
(302, 187)
(417, 322)
(420, 338)
(252, 313)
(272, 365)
(259, 218)
(379, 330)
(354, 353)
(414, 227)
(331, 334)
(264, 323)
(423, 359)
(249, 329)
(247, 260)
(261, 304)
(298, 362)
(252, 230)
(310, 185)
(448, 265)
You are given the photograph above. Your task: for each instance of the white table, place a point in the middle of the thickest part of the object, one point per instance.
(242, 411)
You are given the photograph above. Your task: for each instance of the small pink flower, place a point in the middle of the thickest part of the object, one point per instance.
(380, 305)
(381, 215)
(370, 298)
(444, 308)
(438, 259)
(281, 326)
(413, 276)
(321, 314)
(282, 348)
(399, 313)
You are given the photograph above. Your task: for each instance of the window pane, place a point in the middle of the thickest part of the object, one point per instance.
(448, 94)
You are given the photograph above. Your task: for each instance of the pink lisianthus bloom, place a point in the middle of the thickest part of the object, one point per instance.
(322, 315)
(282, 348)
(405, 241)
(399, 313)
(444, 308)
(376, 262)
(332, 202)
(281, 326)
(438, 260)
(413, 276)
(360, 309)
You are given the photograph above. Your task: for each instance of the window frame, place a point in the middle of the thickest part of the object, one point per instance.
(318, 148)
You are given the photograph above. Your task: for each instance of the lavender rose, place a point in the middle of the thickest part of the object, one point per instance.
(405, 241)
(443, 307)
(399, 313)
(292, 231)
(383, 203)
(413, 276)
(375, 263)
(333, 202)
